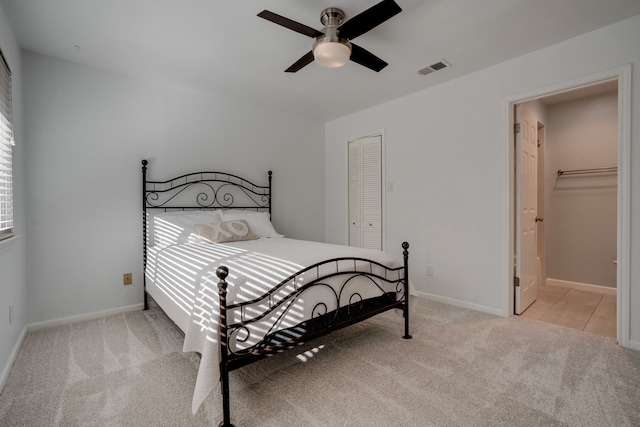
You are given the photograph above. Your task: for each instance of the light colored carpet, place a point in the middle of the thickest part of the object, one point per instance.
(463, 368)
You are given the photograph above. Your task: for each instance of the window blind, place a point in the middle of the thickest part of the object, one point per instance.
(6, 150)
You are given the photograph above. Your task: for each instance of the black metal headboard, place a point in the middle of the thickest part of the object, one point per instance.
(199, 191)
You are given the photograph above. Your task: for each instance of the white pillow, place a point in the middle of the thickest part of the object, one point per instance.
(170, 228)
(259, 222)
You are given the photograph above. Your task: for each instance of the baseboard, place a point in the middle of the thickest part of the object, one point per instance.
(84, 317)
(634, 345)
(462, 304)
(581, 286)
(12, 358)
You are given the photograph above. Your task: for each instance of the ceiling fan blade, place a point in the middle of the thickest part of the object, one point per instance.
(300, 63)
(288, 23)
(366, 58)
(369, 19)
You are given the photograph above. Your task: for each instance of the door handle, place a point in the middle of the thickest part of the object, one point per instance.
(539, 219)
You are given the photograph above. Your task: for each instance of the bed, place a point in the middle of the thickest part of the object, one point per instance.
(240, 291)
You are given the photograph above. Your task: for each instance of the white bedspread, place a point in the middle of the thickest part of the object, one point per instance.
(182, 278)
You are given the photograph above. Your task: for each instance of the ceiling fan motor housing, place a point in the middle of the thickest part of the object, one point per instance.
(332, 16)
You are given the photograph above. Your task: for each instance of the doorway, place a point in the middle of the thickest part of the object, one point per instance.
(616, 80)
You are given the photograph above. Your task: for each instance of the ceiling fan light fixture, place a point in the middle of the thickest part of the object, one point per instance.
(330, 50)
(332, 54)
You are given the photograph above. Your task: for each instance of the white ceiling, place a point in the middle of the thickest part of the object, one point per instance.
(225, 49)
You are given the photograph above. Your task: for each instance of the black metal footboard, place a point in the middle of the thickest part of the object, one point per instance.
(386, 289)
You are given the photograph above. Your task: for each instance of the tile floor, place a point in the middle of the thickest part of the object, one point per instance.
(588, 311)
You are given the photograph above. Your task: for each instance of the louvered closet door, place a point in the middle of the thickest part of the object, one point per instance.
(365, 192)
(355, 194)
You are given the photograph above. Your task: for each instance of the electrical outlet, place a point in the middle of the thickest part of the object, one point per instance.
(126, 279)
(429, 270)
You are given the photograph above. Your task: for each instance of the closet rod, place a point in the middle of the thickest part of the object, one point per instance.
(587, 171)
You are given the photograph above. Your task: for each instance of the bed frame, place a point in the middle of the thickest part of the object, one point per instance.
(219, 190)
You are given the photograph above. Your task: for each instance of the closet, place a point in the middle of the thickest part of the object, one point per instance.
(365, 192)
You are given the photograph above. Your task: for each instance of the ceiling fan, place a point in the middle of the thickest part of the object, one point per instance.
(333, 47)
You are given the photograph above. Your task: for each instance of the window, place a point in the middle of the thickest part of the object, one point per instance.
(6, 151)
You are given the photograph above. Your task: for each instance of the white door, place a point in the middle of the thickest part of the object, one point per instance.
(372, 193)
(526, 283)
(355, 194)
(365, 192)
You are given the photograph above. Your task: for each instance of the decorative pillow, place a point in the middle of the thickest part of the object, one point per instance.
(170, 228)
(227, 231)
(259, 222)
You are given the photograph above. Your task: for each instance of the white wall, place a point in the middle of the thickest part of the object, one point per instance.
(582, 209)
(88, 130)
(13, 254)
(447, 156)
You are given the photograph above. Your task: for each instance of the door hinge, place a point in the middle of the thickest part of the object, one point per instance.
(516, 128)
(516, 281)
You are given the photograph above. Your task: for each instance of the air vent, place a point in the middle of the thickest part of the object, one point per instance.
(434, 67)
